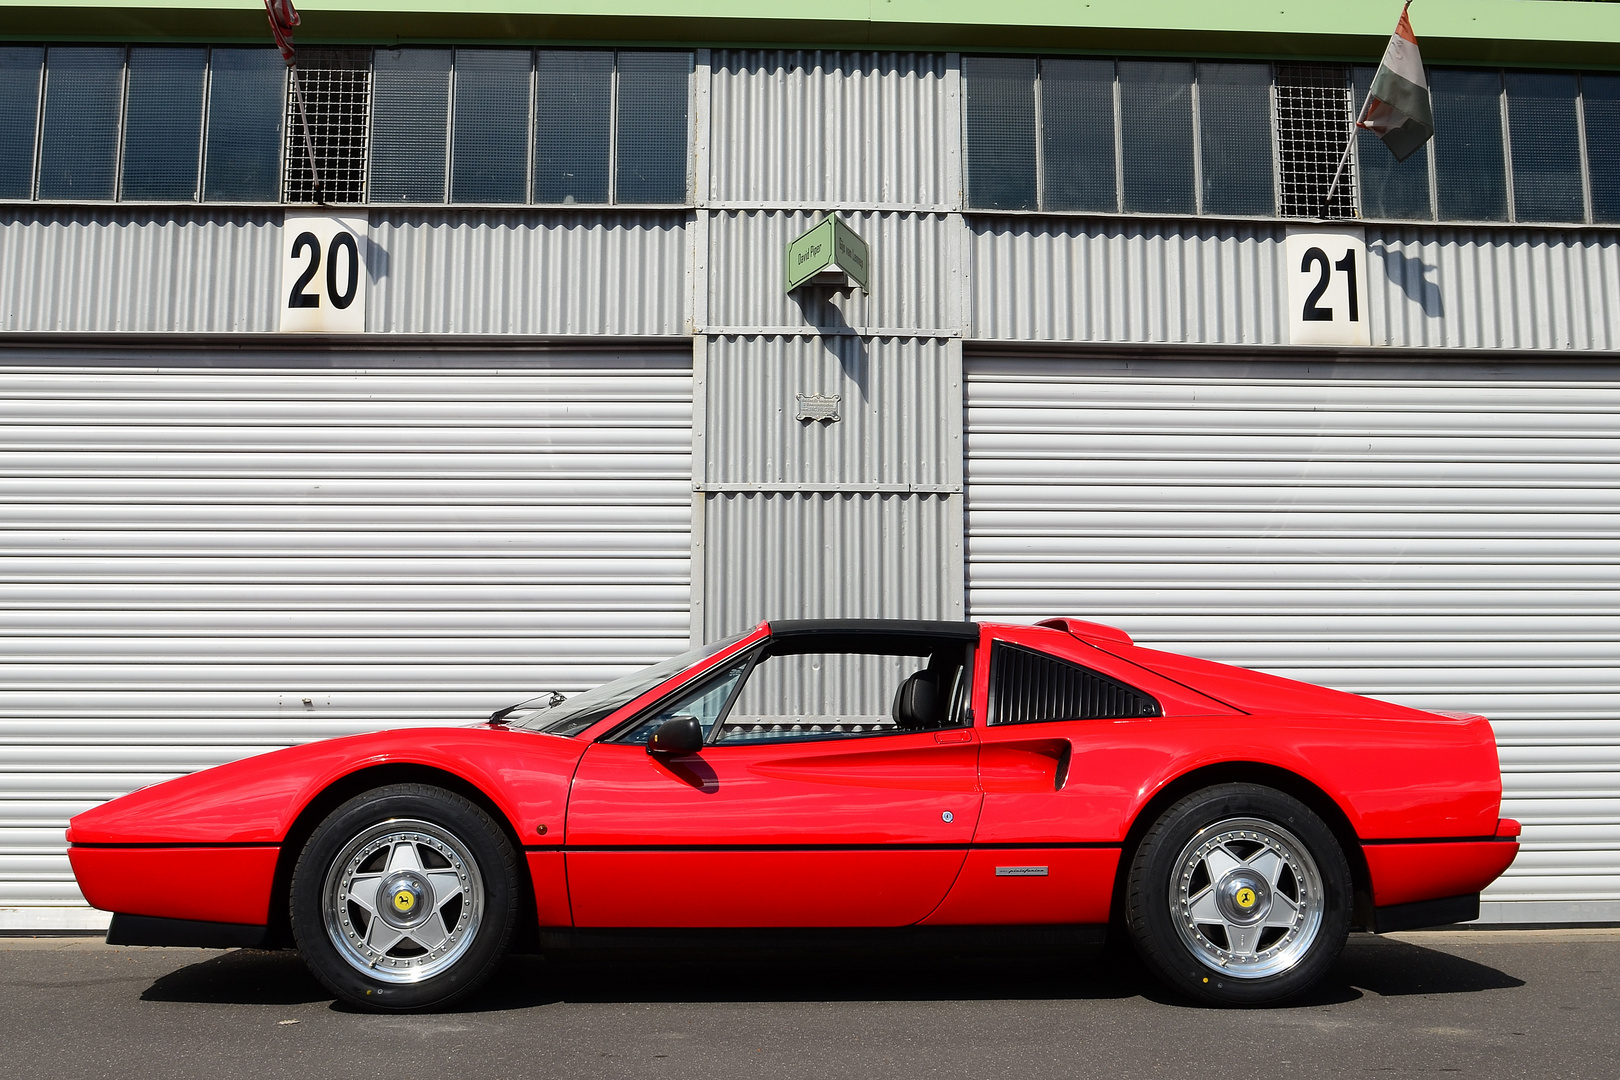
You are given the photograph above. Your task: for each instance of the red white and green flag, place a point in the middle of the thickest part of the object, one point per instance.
(1397, 108)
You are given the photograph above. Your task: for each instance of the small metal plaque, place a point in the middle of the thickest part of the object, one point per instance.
(818, 407)
(1020, 871)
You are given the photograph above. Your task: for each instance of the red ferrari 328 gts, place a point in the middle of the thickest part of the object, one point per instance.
(934, 779)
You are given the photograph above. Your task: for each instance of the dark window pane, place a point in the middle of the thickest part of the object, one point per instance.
(1470, 170)
(1000, 132)
(1389, 188)
(1234, 138)
(410, 103)
(1156, 129)
(1600, 101)
(1546, 147)
(247, 90)
(163, 123)
(1027, 687)
(490, 161)
(652, 127)
(1077, 134)
(20, 68)
(572, 126)
(78, 152)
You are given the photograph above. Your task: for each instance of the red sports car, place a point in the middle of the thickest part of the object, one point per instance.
(936, 779)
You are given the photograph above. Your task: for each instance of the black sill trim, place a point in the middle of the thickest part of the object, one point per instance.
(1444, 840)
(1442, 912)
(817, 847)
(901, 937)
(191, 844)
(184, 933)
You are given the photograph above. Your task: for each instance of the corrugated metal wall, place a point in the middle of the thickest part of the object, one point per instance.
(203, 564)
(1439, 536)
(1223, 283)
(859, 516)
(204, 270)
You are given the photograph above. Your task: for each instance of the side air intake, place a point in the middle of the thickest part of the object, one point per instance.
(1027, 687)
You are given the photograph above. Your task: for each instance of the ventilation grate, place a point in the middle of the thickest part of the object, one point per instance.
(1027, 687)
(1313, 125)
(336, 85)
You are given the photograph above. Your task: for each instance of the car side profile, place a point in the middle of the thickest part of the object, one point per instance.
(823, 777)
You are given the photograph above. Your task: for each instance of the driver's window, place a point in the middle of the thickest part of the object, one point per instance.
(801, 694)
(705, 702)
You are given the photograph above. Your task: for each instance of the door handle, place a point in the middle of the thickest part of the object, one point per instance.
(960, 735)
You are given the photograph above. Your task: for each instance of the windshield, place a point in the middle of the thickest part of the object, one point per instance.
(573, 715)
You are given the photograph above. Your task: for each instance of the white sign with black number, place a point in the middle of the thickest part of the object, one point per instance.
(1327, 287)
(323, 273)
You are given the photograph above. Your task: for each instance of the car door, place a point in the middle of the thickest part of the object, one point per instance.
(809, 805)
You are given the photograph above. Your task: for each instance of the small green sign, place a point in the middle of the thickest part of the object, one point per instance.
(831, 248)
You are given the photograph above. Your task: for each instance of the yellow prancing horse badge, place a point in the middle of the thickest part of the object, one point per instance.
(404, 901)
(1245, 898)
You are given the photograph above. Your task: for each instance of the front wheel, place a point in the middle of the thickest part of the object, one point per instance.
(404, 898)
(1239, 895)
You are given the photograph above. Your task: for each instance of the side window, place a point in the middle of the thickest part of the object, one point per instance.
(1027, 687)
(833, 694)
(706, 702)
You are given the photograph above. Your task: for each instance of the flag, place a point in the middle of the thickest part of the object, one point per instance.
(1397, 108)
(283, 17)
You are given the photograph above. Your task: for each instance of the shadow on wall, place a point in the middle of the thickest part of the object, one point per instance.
(1410, 273)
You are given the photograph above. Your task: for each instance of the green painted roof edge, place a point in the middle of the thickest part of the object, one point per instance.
(1538, 32)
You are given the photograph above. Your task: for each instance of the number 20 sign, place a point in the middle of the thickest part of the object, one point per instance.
(323, 273)
(1327, 287)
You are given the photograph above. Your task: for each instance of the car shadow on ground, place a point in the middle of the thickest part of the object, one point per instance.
(1381, 966)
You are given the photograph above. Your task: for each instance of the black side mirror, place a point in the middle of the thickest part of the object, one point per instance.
(680, 735)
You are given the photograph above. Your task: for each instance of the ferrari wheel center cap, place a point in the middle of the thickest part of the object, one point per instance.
(1243, 897)
(403, 900)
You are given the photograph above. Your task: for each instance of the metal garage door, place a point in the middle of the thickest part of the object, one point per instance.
(201, 563)
(1443, 536)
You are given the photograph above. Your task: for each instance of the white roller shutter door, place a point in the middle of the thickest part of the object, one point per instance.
(1448, 538)
(199, 564)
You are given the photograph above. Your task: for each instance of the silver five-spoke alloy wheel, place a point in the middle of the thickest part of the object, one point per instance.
(403, 901)
(1246, 898)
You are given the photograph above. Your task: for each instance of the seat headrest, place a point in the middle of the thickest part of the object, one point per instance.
(918, 703)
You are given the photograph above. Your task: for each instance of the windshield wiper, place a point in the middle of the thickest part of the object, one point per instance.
(499, 716)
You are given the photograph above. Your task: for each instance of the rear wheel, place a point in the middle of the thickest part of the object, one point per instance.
(1239, 895)
(405, 898)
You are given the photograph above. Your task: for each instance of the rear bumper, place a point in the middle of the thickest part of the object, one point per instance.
(1406, 872)
(172, 882)
(188, 933)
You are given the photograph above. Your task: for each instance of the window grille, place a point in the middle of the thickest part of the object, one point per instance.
(337, 97)
(1314, 114)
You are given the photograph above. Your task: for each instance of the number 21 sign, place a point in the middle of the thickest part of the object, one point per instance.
(323, 273)
(1327, 286)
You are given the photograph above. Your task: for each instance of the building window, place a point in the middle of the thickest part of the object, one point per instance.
(489, 156)
(1600, 111)
(247, 95)
(1234, 129)
(651, 143)
(573, 126)
(1001, 124)
(336, 88)
(1544, 143)
(1077, 135)
(163, 122)
(410, 96)
(1313, 125)
(1468, 160)
(78, 148)
(1156, 136)
(1389, 188)
(21, 69)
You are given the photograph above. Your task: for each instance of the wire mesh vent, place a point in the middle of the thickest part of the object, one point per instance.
(1313, 125)
(336, 85)
(1027, 687)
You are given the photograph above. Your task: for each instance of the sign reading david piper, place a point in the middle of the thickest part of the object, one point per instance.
(832, 251)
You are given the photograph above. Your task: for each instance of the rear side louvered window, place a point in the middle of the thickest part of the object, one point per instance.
(1027, 687)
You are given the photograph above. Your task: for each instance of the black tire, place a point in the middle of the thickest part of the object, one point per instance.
(1205, 915)
(413, 860)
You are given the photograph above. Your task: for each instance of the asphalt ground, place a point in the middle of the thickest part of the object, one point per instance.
(1483, 1003)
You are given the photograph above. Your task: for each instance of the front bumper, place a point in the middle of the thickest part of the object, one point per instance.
(210, 884)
